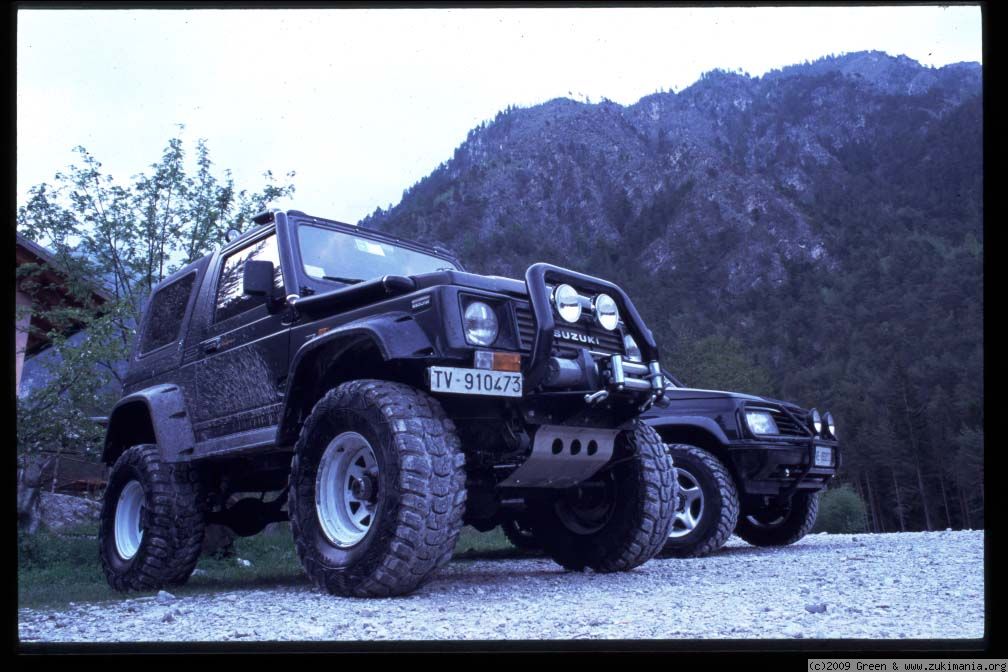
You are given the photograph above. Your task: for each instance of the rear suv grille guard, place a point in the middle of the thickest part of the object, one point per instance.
(617, 375)
(787, 424)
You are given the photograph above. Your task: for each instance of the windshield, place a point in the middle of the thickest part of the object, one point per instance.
(343, 257)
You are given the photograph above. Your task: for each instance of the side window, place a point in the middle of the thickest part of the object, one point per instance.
(165, 313)
(230, 299)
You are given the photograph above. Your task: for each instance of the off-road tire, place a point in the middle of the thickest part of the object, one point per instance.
(720, 503)
(797, 522)
(172, 522)
(190, 520)
(420, 492)
(643, 490)
(520, 533)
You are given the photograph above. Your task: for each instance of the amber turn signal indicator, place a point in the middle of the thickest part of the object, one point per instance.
(506, 361)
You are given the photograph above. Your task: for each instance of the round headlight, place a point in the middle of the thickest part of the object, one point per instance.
(633, 352)
(830, 425)
(606, 312)
(567, 302)
(480, 323)
(816, 421)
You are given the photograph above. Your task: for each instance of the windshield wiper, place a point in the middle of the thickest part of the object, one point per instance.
(349, 281)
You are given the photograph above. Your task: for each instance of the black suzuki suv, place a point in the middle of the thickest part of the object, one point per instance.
(376, 395)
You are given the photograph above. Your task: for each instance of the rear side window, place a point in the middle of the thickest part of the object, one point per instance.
(231, 300)
(167, 308)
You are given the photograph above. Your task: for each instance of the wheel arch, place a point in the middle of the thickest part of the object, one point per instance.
(695, 431)
(357, 351)
(158, 415)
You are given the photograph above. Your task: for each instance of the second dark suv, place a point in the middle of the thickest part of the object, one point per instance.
(376, 395)
(747, 465)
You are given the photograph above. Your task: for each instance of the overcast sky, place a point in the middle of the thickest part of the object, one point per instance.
(364, 103)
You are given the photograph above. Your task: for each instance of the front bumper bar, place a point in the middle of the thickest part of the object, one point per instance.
(616, 375)
(782, 468)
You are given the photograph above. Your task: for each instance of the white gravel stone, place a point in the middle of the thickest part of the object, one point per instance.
(742, 592)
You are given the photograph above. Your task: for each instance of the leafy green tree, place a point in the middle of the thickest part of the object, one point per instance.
(969, 466)
(127, 237)
(716, 362)
(841, 511)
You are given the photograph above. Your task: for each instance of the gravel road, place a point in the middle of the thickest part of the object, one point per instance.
(893, 586)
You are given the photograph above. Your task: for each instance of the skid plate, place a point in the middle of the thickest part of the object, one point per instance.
(563, 456)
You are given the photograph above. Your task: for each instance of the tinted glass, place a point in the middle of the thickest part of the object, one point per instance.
(334, 254)
(231, 300)
(167, 308)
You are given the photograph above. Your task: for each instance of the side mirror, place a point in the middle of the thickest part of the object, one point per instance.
(257, 278)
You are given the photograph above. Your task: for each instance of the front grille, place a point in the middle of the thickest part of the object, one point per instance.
(609, 342)
(786, 425)
(526, 325)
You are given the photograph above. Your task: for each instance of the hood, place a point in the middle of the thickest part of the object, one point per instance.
(489, 283)
(689, 393)
(684, 393)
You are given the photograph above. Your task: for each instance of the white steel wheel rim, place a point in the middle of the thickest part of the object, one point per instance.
(690, 506)
(344, 512)
(129, 520)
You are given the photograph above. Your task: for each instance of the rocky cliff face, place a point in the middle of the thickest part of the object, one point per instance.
(724, 180)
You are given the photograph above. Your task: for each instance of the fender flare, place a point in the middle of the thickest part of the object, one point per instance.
(395, 336)
(164, 407)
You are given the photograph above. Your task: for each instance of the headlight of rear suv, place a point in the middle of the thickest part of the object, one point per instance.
(480, 323)
(761, 422)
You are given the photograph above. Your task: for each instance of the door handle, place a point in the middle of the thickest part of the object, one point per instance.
(212, 345)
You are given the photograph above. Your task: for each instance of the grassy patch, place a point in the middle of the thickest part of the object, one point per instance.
(54, 569)
(60, 568)
(473, 544)
(273, 559)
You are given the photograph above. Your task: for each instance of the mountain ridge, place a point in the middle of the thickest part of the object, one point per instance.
(730, 158)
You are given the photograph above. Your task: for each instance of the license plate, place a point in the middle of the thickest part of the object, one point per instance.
(823, 456)
(475, 381)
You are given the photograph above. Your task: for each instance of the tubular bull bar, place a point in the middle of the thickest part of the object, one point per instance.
(615, 375)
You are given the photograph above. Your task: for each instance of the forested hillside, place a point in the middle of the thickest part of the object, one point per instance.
(814, 234)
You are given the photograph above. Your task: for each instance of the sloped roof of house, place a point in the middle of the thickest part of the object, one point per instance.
(52, 292)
